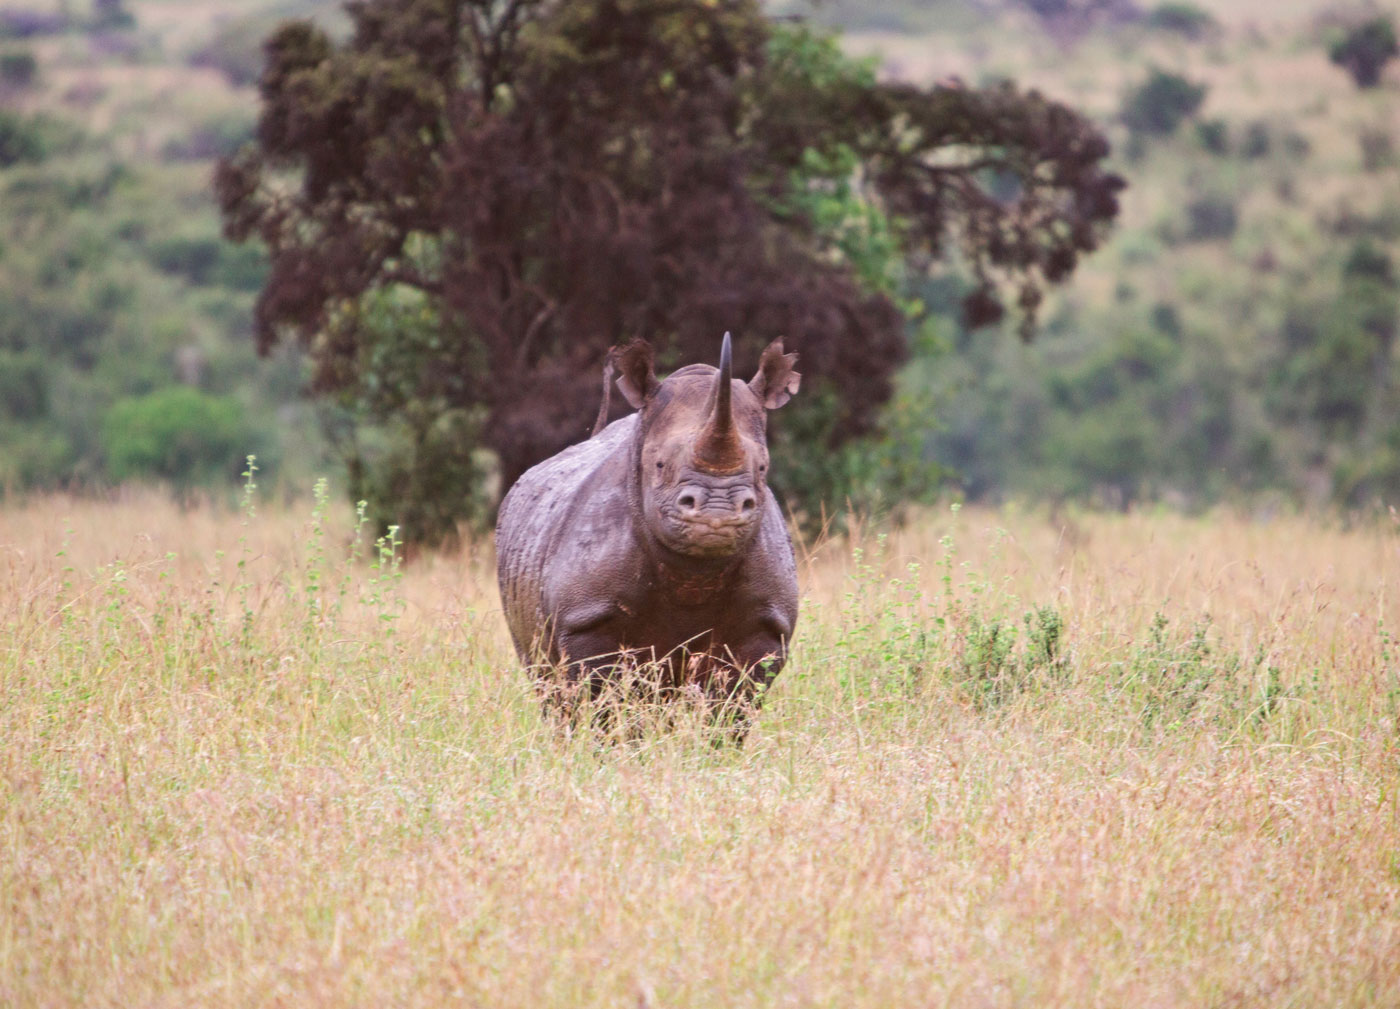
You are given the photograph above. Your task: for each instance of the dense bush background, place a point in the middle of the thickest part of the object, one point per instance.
(1235, 337)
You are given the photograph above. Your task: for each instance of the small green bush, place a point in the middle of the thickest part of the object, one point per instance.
(1158, 105)
(1369, 261)
(21, 139)
(177, 434)
(108, 15)
(1257, 140)
(24, 385)
(1185, 19)
(1364, 51)
(1211, 216)
(1213, 136)
(211, 261)
(191, 258)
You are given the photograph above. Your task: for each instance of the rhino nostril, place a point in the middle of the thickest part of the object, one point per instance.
(687, 501)
(747, 504)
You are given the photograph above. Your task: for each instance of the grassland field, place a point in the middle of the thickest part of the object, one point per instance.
(1017, 760)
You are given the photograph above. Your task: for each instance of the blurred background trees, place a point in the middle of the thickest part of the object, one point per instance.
(489, 195)
(1231, 339)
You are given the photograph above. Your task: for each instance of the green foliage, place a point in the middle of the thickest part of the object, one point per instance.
(998, 662)
(1158, 105)
(108, 15)
(1214, 136)
(873, 476)
(209, 260)
(1365, 49)
(1211, 216)
(176, 434)
(1183, 18)
(411, 455)
(1257, 142)
(24, 385)
(23, 139)
(1330, 367)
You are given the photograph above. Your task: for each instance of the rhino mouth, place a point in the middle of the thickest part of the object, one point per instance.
(704, 536)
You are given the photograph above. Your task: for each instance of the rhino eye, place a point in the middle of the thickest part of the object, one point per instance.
(660, 464)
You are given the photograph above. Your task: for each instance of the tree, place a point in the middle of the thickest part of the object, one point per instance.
(531, 181)
(1158, 105)
(1365, 49)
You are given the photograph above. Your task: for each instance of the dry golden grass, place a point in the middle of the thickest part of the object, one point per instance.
(238, 771)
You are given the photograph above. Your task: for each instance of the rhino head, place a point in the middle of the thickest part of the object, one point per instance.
(701, 454)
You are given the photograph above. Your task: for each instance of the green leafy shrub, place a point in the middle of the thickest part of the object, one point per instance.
(1365, 49)
(1257, 140)
(22, 139)
(24, 385)
(1158, 105)
(1185, 19)
(1368, 260)
(1213, 136)
(411, 456)
(177, 434)
(1327, 366)
(996, 661)
(211, 261)
(109, 15)
(191, 258)
(1211, 216)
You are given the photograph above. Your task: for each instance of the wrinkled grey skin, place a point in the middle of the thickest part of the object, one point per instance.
(658, 536)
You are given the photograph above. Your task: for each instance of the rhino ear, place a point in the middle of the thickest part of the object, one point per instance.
(636, 372)
(777, 380)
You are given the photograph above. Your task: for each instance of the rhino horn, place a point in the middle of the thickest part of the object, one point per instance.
(718, 449)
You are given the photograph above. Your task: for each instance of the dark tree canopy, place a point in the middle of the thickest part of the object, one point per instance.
(544, 179)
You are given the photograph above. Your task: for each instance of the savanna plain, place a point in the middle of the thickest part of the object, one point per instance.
(247, 758)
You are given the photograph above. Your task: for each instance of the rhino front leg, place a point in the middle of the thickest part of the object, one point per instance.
(740, 680)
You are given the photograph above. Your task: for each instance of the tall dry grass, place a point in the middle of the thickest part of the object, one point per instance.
(1091, 761)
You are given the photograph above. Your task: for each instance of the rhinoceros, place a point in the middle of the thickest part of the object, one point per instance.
(658, 538)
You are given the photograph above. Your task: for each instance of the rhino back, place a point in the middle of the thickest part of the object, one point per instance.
(538, 511)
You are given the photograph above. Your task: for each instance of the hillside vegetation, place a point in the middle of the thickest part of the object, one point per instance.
(1099, 761)
(116, 286)
(1237, 333)
(1234, 338)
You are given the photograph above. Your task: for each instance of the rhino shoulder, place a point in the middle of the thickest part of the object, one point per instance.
(544, 510)
(541, 496)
